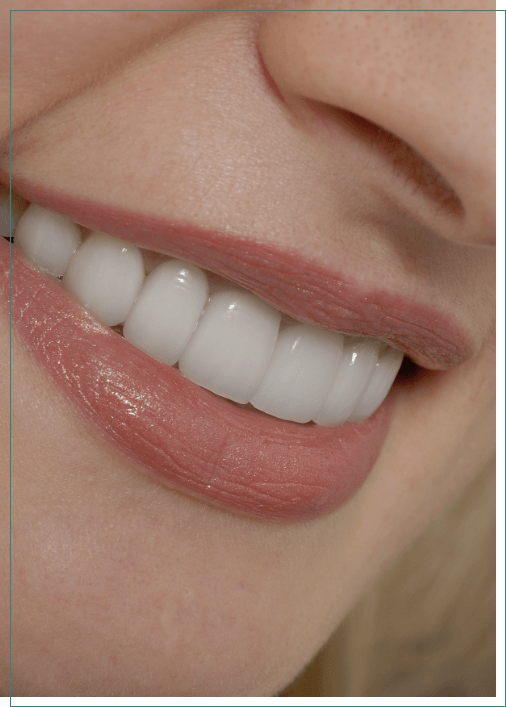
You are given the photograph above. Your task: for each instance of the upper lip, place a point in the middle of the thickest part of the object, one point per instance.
(294, 284)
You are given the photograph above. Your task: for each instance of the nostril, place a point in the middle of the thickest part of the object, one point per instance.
(406, 161)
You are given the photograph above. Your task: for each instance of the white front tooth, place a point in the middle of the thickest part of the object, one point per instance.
(300, 373)
(381, 381)
(232, 345)
(167, 310)
(106, 275)
(49, 240)
(5, 215)
(354, 373)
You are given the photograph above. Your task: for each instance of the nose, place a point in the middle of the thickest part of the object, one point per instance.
(426, 77)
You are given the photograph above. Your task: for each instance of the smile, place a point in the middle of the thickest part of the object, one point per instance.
(226, 342)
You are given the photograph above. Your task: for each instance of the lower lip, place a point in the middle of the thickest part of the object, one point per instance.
(186, 436)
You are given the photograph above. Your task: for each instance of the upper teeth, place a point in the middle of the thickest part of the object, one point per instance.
(229, 342)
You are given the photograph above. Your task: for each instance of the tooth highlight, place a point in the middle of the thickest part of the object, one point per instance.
(47, 239)
(381, 380)
(106, 275)
(301, 370)
(359, 359)
(232, 345)
(167, 310)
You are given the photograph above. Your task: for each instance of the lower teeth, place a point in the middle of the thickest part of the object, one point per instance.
(228, 341)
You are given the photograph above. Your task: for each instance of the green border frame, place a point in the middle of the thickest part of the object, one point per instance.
(444, 702)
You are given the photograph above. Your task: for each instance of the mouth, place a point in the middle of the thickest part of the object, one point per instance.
(192, 437)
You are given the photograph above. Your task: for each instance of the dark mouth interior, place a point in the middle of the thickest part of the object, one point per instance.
(410, 372)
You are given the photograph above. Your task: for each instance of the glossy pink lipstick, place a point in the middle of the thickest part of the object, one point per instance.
(186, 436)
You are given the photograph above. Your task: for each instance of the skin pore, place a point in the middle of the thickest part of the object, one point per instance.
(262, 124)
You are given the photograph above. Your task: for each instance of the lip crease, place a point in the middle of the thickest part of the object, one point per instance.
(294, 284)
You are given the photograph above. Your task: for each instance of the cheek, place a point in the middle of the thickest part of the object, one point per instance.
(87, 40)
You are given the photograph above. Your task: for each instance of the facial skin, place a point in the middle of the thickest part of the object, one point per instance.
(243, 121)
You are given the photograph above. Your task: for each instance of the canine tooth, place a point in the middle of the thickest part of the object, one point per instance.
(106, 275)
(49, 240)
(355, 371)
(380, 383)
(232, 345)
(300, 373)
(167, 310)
